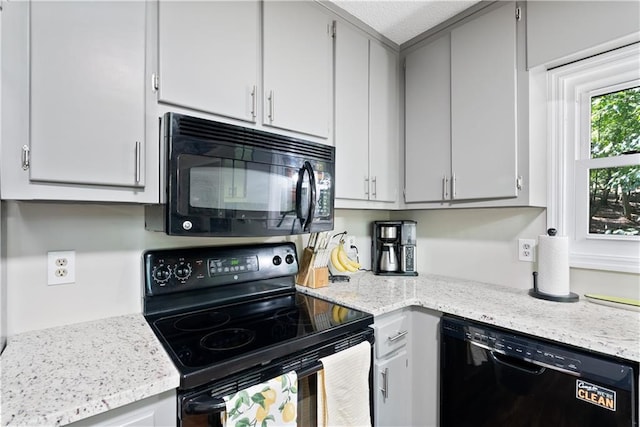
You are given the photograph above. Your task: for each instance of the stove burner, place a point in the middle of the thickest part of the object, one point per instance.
(293, 317)
(201, 321)
(227, 339)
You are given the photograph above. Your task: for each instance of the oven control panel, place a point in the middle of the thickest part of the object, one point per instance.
(176, 270)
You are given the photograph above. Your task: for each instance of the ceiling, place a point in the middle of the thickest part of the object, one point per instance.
(401, 20)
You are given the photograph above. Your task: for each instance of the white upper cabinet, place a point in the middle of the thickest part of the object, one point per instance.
(461, 113)
(208, 56)
(483, 106)
(352, 113)
(428, 122)
(366, 118)
(383, 123)
(76, 107)
(297, 55)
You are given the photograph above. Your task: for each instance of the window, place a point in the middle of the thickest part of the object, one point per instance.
(594, 189)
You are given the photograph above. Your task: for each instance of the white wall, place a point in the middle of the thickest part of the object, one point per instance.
(481, 244)
(478, 244)
(109, 241)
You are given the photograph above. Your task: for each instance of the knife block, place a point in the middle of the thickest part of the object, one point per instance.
(308, 275)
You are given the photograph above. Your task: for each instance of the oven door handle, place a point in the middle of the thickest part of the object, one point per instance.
(206, 404)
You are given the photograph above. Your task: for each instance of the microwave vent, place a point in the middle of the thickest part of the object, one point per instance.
(225, 133)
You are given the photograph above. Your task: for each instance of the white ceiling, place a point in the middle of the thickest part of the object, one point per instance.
(401, 20)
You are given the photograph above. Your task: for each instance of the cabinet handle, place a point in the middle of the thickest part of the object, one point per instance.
(398, 336)
(366, 186)
(445, 181)
(138, 160)
(453, 186)
(385, 383)
(26, 158)
(270, 99)
(375, 187)
(254, 103)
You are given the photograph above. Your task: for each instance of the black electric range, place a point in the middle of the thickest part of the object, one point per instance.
(220, 311)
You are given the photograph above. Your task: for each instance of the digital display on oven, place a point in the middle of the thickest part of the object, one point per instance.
(220, 266)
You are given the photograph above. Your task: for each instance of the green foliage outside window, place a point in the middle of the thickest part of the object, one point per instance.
(615, 192)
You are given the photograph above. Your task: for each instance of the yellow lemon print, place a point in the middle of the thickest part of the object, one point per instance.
(262, 413)
(288, 412)
(269, 396)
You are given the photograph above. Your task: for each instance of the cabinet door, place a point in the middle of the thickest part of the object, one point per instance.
(483, 105)
(383, 124)
(352, 113)
(297, 67)
(87, 92)
(393, 392)
(428, 122)
(208, 54)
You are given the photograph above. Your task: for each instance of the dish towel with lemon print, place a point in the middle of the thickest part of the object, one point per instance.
(269, 404)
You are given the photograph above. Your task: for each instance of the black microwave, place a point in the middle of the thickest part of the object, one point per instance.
(226, 180)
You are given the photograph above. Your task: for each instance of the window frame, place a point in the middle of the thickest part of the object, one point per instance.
(570, 89)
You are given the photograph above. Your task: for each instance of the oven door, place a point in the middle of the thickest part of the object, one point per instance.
(206, 407)
(230, 186)
(203, 411)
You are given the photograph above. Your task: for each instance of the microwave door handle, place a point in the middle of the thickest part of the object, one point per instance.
(312, 197)
(299, 196)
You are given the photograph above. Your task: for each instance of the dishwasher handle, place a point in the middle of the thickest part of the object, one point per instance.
(521, 365)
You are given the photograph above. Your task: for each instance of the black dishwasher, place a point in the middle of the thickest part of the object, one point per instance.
(495, 377)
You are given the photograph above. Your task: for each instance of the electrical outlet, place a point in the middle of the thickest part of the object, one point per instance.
(526, 249)
(61, 267)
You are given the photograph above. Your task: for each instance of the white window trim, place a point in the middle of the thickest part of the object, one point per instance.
(566, 87)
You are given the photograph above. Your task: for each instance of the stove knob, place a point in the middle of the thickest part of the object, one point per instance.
(183, 271)
(161, 274)
(289, 259)
(277, 260)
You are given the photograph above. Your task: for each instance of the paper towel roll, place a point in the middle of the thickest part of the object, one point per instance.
(553, 265)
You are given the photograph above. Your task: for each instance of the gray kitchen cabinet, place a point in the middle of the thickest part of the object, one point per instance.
(366, 118)
(428, 122)
(155, 411)
(297, 59)
(392, 370)
(75, 112)
(461, 112)
(559, 32)
(208, 56)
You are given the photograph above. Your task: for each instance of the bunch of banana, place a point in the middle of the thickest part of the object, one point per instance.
(341, 260)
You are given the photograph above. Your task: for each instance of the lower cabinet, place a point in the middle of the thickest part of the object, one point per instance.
(158, 410)
(406, 364)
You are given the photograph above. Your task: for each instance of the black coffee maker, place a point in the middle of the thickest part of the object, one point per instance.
(393, 248)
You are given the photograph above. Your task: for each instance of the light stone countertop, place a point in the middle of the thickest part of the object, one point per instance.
(607, 330)
(64, 374)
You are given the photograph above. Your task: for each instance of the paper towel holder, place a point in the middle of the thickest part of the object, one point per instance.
(572, 297)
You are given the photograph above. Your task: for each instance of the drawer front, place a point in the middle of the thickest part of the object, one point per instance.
(391, 334)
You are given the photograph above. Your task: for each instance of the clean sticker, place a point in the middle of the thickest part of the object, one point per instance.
(596, 395)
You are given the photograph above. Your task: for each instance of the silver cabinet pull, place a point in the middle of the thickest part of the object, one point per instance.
(375, 187)
(453, 186)
(444, 187)
(366, 186)
(398, 336)
(138, 160)
(270, 99)
(385, 383)
(254, 103)
(26, 158)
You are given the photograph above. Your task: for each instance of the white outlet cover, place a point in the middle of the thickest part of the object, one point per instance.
(57, 272)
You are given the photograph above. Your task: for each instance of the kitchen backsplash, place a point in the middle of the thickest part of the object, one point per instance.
(478, 244)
